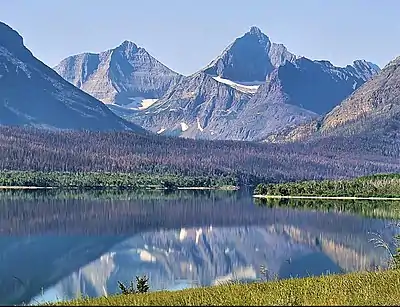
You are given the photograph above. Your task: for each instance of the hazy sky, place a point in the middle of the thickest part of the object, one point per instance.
(187, 34)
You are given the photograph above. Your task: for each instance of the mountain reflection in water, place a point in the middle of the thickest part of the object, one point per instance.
(61, 245)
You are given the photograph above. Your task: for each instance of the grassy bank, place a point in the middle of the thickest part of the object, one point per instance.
(32, 179)
(384, 185)
(369, 288)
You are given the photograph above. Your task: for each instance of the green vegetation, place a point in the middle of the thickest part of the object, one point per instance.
(142, 286)
(367, 288)
(385, 185)
(370, 208)
(110, 180)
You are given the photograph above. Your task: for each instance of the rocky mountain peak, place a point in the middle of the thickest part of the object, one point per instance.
(125, 75)
(128, 45)
(394, 62)
(11, 40)
(128, 48)
(249, 58)
(255, 31)
(258, 36)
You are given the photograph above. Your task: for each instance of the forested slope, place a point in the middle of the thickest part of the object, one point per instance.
(44, 150)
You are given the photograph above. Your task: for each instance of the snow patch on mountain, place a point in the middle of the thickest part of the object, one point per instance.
(244, 87)
(146, 103)
(184, 127)
(161, 130)
(199, 125)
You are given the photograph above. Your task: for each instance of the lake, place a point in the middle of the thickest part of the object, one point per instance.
(59, 245)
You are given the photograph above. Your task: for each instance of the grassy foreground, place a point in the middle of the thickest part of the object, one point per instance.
(367, 288)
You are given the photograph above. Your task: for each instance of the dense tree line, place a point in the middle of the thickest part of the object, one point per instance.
(384, 185)
(249, 163)
(106, 179)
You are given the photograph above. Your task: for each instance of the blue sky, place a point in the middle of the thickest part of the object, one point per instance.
(186, 35)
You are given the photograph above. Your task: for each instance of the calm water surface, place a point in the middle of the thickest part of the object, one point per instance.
(59, 245)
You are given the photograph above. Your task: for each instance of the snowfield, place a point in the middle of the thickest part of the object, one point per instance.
(244, 87)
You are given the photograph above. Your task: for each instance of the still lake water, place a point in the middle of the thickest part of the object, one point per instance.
(59, 245)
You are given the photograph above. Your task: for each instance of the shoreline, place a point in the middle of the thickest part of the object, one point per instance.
(221, 188)
(327, 197)
(25, 188)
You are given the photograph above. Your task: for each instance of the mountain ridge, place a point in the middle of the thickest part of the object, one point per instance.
(122, 75)
(236, 103)
(374, 108)
(249, 51)
(58, 104)
(296, 91)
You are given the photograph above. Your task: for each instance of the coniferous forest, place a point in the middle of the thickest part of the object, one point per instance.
(29, 149)
(382, 185)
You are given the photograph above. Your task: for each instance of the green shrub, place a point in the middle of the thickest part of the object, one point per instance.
(142, 286)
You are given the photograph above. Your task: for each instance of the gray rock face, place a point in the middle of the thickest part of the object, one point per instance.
(202, 106)
(373, 109)
(254, 88)
(319, 86)
(124, 75)
(199, 106)
(33, 94)
(249, 58)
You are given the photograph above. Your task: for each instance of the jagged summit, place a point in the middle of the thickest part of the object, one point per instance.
(250, 58)
(125, 75)
(255, 30)
(128, 46)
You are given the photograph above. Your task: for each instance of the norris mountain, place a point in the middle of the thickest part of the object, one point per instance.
(372, 110)
(253, 89)
(126, 75)
(32, 94)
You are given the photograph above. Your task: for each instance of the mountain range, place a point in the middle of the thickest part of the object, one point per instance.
(373, 109)
(254, 88)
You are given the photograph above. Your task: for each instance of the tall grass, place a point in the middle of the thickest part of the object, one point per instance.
(367, 288)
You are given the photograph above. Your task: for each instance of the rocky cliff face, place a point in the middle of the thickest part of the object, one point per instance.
(32, 94)
(249, 58)
(253, 89)
(318, 86)
(374, 108)
(202, 106)
(126, 75)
